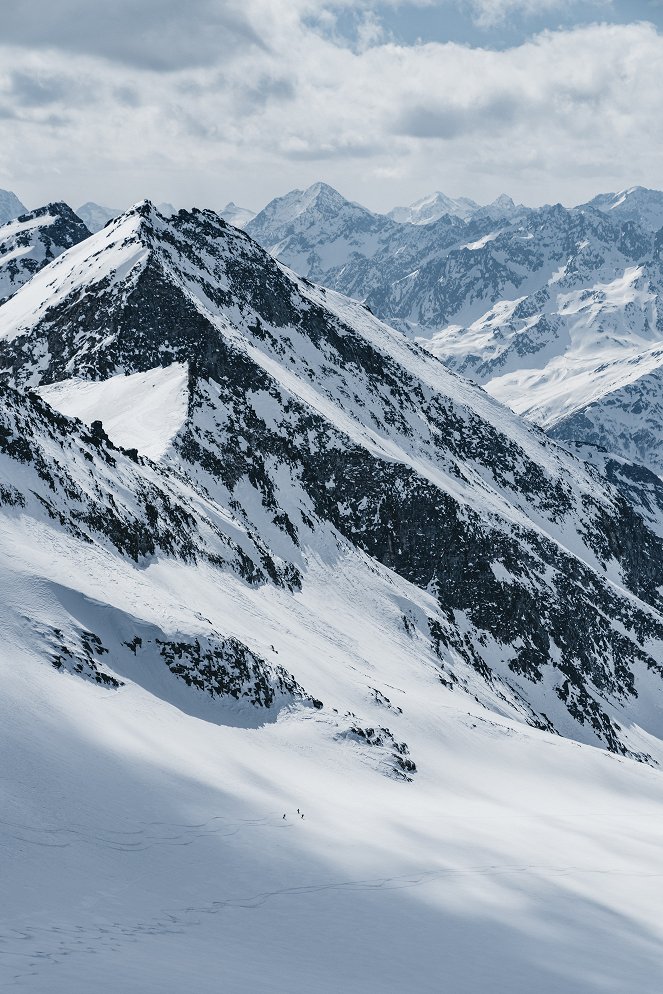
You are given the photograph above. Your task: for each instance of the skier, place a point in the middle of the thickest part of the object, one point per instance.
(283, 817)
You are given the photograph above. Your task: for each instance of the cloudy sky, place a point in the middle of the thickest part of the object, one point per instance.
(212, 100)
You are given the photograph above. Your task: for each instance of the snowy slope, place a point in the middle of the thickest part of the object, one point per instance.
(144, 827)
(148, 846)
(353, 584)
(31, 241)
(142, 411)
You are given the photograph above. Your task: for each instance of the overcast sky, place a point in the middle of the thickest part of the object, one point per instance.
(206, 101)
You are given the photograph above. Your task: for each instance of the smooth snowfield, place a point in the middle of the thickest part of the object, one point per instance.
(142, 411)
(145, 849)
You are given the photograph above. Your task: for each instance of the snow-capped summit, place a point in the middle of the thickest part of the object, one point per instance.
(317, 230)
(638, 204)
(239, 217)
(433, 207)
(10, 206)
(318, 204)
(94, 216)
(32, 240)
(503, 208)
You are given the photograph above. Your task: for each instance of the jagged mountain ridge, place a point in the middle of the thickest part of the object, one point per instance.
(554, 310)
(432, 207)
(638, 204)
(32, 240)
(315, 424)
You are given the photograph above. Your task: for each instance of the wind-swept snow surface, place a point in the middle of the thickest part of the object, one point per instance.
(148, 849)
(142, 411)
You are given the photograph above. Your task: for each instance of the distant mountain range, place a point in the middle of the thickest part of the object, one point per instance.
(554, 310)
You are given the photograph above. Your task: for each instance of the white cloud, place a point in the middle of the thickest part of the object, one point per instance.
(562, 115)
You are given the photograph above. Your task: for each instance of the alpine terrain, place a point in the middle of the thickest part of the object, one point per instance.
(32, 240)
(322, 669)
(553, 310)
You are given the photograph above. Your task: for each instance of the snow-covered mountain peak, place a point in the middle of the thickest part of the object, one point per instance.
(318, 203)
(637, 204)
(95, 216)
(10, 206)
(503, 208)
(432, 207)
(504, 201)
(237, 216)
(324, 197)
(32, 240)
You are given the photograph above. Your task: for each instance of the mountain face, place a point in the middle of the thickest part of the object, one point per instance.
(31, 241)
(237, 216)
(311, 431)
(432, 208)
(317, 232)
(643, 207)
(559, 319)
(94, 216)
(346, 247)
(554, 310)
(10, 206)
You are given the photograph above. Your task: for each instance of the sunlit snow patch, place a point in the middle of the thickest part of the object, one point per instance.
(482, 242)
(142, 411)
